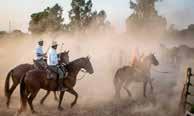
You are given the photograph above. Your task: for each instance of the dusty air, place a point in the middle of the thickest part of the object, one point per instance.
(97, 58)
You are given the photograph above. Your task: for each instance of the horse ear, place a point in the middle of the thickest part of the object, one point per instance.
(66, 51)
(88, 57)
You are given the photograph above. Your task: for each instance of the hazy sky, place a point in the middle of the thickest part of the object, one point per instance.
(179, 12)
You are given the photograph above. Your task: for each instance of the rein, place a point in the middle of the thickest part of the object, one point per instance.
(163, 72)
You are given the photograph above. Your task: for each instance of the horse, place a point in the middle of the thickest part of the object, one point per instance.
(34, 80)
(17, 73)
(126, 75)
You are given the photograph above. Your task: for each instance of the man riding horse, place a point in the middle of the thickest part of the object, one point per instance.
(53, 65)
(136, 58)
(15, 74)
(40, 55)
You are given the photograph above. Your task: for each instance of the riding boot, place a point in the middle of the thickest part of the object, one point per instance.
(61, 87)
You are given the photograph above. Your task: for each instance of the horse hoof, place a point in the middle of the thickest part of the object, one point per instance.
(56, 99)
(34, 112)
(41, 103)
(145, 96)
(7, 106)
(60, 108)
(72, 105)
(18, 112)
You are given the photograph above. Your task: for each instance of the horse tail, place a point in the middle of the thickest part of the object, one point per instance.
(23, 96)
(6, 89)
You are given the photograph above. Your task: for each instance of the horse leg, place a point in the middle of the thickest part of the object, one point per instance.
(72, 91)
(118, 86)
(126, 88)
(60, 100)
(43, 99)
(55, 96)
(30, 100)
(144, 86)
(118, 90)
(151, 86)
(10, 93)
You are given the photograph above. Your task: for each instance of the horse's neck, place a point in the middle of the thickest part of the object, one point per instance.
(73, 69)
(60, 60)
(146, 64)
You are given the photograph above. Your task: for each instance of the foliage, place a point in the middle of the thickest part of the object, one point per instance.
(144, 16)
(82, 17)
(49, 20)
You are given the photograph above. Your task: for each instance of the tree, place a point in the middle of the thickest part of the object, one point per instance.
(82, 18)
(145, 16)
(99, 21)
(80, 14)
(49, 20)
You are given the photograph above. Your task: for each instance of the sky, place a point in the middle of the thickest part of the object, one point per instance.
(178, 12)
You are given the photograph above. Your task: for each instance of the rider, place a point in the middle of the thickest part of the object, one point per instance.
(135, 57)
(53, 64)
(40, 55)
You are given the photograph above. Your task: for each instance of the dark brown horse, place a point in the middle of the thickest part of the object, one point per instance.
(35, 80)
(19, 71)
(128, 74)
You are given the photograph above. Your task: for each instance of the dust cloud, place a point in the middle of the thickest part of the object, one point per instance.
(96, 92)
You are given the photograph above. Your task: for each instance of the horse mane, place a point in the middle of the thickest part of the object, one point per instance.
(75, 62)
(146, 58)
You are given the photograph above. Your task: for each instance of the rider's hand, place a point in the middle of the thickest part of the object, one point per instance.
(45, 55)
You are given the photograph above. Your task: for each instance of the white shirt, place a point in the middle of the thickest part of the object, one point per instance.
(39, 50)
(52, 57)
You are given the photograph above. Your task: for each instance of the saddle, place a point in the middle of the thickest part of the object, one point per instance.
(52, 75)
(37, 65)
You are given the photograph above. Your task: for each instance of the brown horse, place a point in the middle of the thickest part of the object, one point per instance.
(35, 80)
(19, 71)
(128, 74)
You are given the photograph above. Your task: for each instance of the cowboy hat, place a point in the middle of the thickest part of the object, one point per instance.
(54, 43)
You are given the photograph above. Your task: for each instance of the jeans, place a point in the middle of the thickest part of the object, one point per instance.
(57, 70)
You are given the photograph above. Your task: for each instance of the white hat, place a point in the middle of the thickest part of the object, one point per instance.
(54, 43)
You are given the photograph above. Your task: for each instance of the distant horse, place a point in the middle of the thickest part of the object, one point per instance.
(35, 80)
(128, 74)
(20, 70)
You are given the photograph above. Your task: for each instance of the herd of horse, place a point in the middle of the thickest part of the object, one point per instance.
(177, 54)
(32, 79)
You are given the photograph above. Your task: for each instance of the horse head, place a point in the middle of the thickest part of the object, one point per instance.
(87, 65)
(64, 57)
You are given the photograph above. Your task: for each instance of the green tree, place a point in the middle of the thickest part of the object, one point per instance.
(49, 20)
(144, 16)
(82, 18)
(99, 21)
(80, 14)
